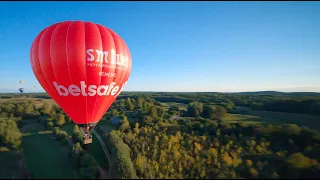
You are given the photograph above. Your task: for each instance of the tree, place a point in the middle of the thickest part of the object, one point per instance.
(298, 160)
(209, 111)
(193, 112)
(60, 120)
(10, 135)
(52, 113)
(220, 112)
(29, 108)
(174, 110)
(114, 112)
(124, 126)
(47, 108)
(76, 129)
(139, 103)
(19, 110)
(77, 151)
(153, 112)
(228, 105)
(253, 172)
(129, 105)
(195, 109)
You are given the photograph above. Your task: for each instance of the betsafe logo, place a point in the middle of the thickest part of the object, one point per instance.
(102, 90)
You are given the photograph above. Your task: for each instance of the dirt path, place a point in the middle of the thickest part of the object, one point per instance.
(104, 147)
(102, 172)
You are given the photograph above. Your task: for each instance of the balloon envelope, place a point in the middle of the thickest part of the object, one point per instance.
(21, 90)
(82, 66)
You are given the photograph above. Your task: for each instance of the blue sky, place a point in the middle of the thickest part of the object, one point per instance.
(182, 46)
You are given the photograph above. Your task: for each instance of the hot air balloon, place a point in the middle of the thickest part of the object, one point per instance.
(83, 67)
(34, 86)
(21, 81)
(21, 90)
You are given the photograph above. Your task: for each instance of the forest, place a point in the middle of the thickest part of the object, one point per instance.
(179, 135)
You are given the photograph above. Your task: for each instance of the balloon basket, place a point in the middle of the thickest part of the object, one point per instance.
(87, 141)
(87, 129)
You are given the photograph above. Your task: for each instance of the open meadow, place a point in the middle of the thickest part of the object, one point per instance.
(43, 154)
(167, 105)
(269, 117)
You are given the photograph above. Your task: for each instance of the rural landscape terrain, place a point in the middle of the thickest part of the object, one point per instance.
(165, 135)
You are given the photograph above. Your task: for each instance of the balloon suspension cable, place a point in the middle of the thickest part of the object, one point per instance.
(87, 129)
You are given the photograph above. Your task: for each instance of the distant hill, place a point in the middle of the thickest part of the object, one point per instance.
(251, 93)
(277, 93)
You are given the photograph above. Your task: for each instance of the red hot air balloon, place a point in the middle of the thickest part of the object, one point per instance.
(83, 67)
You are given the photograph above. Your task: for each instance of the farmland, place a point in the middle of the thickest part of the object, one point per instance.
(50, 139)
(269, 117)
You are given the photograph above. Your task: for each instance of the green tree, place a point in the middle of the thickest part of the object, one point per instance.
(174, 110)
(60, 120)
(153, 113)
(298, 160)
(47, 108)
(220, 112)
(124, 124)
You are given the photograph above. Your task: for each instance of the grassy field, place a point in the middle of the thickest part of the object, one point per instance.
(181, 106)
(43, 155)
(275, 118)
(37, 101)
(106, 126)
(68, 128)
(97, 152)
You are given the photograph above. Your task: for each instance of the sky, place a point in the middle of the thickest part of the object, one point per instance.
(182, 46)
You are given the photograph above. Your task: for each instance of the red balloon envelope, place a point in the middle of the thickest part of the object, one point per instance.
(82, 66)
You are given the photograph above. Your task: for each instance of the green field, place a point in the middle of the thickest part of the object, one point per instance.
(37, 101)
(275, 118)
(106, 126)
(68, 128)
(43, 155)
(97, 152)
(181, 106)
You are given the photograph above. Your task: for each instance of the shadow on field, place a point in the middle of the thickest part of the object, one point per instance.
(12, 165)
(44, 157)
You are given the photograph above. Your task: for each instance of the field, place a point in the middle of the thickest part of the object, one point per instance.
(275, 118)
(97, 152)
(167, 105)
(106, 126)
(37, 101)
(43, 155)
(249, 116)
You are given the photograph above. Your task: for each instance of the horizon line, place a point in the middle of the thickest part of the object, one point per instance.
(225, 92)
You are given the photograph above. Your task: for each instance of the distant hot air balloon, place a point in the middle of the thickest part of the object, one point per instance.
(21, 90)
(82, 66)
(34, 86)
(21, 81)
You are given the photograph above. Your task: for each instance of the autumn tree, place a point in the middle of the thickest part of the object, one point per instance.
(60, 120)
